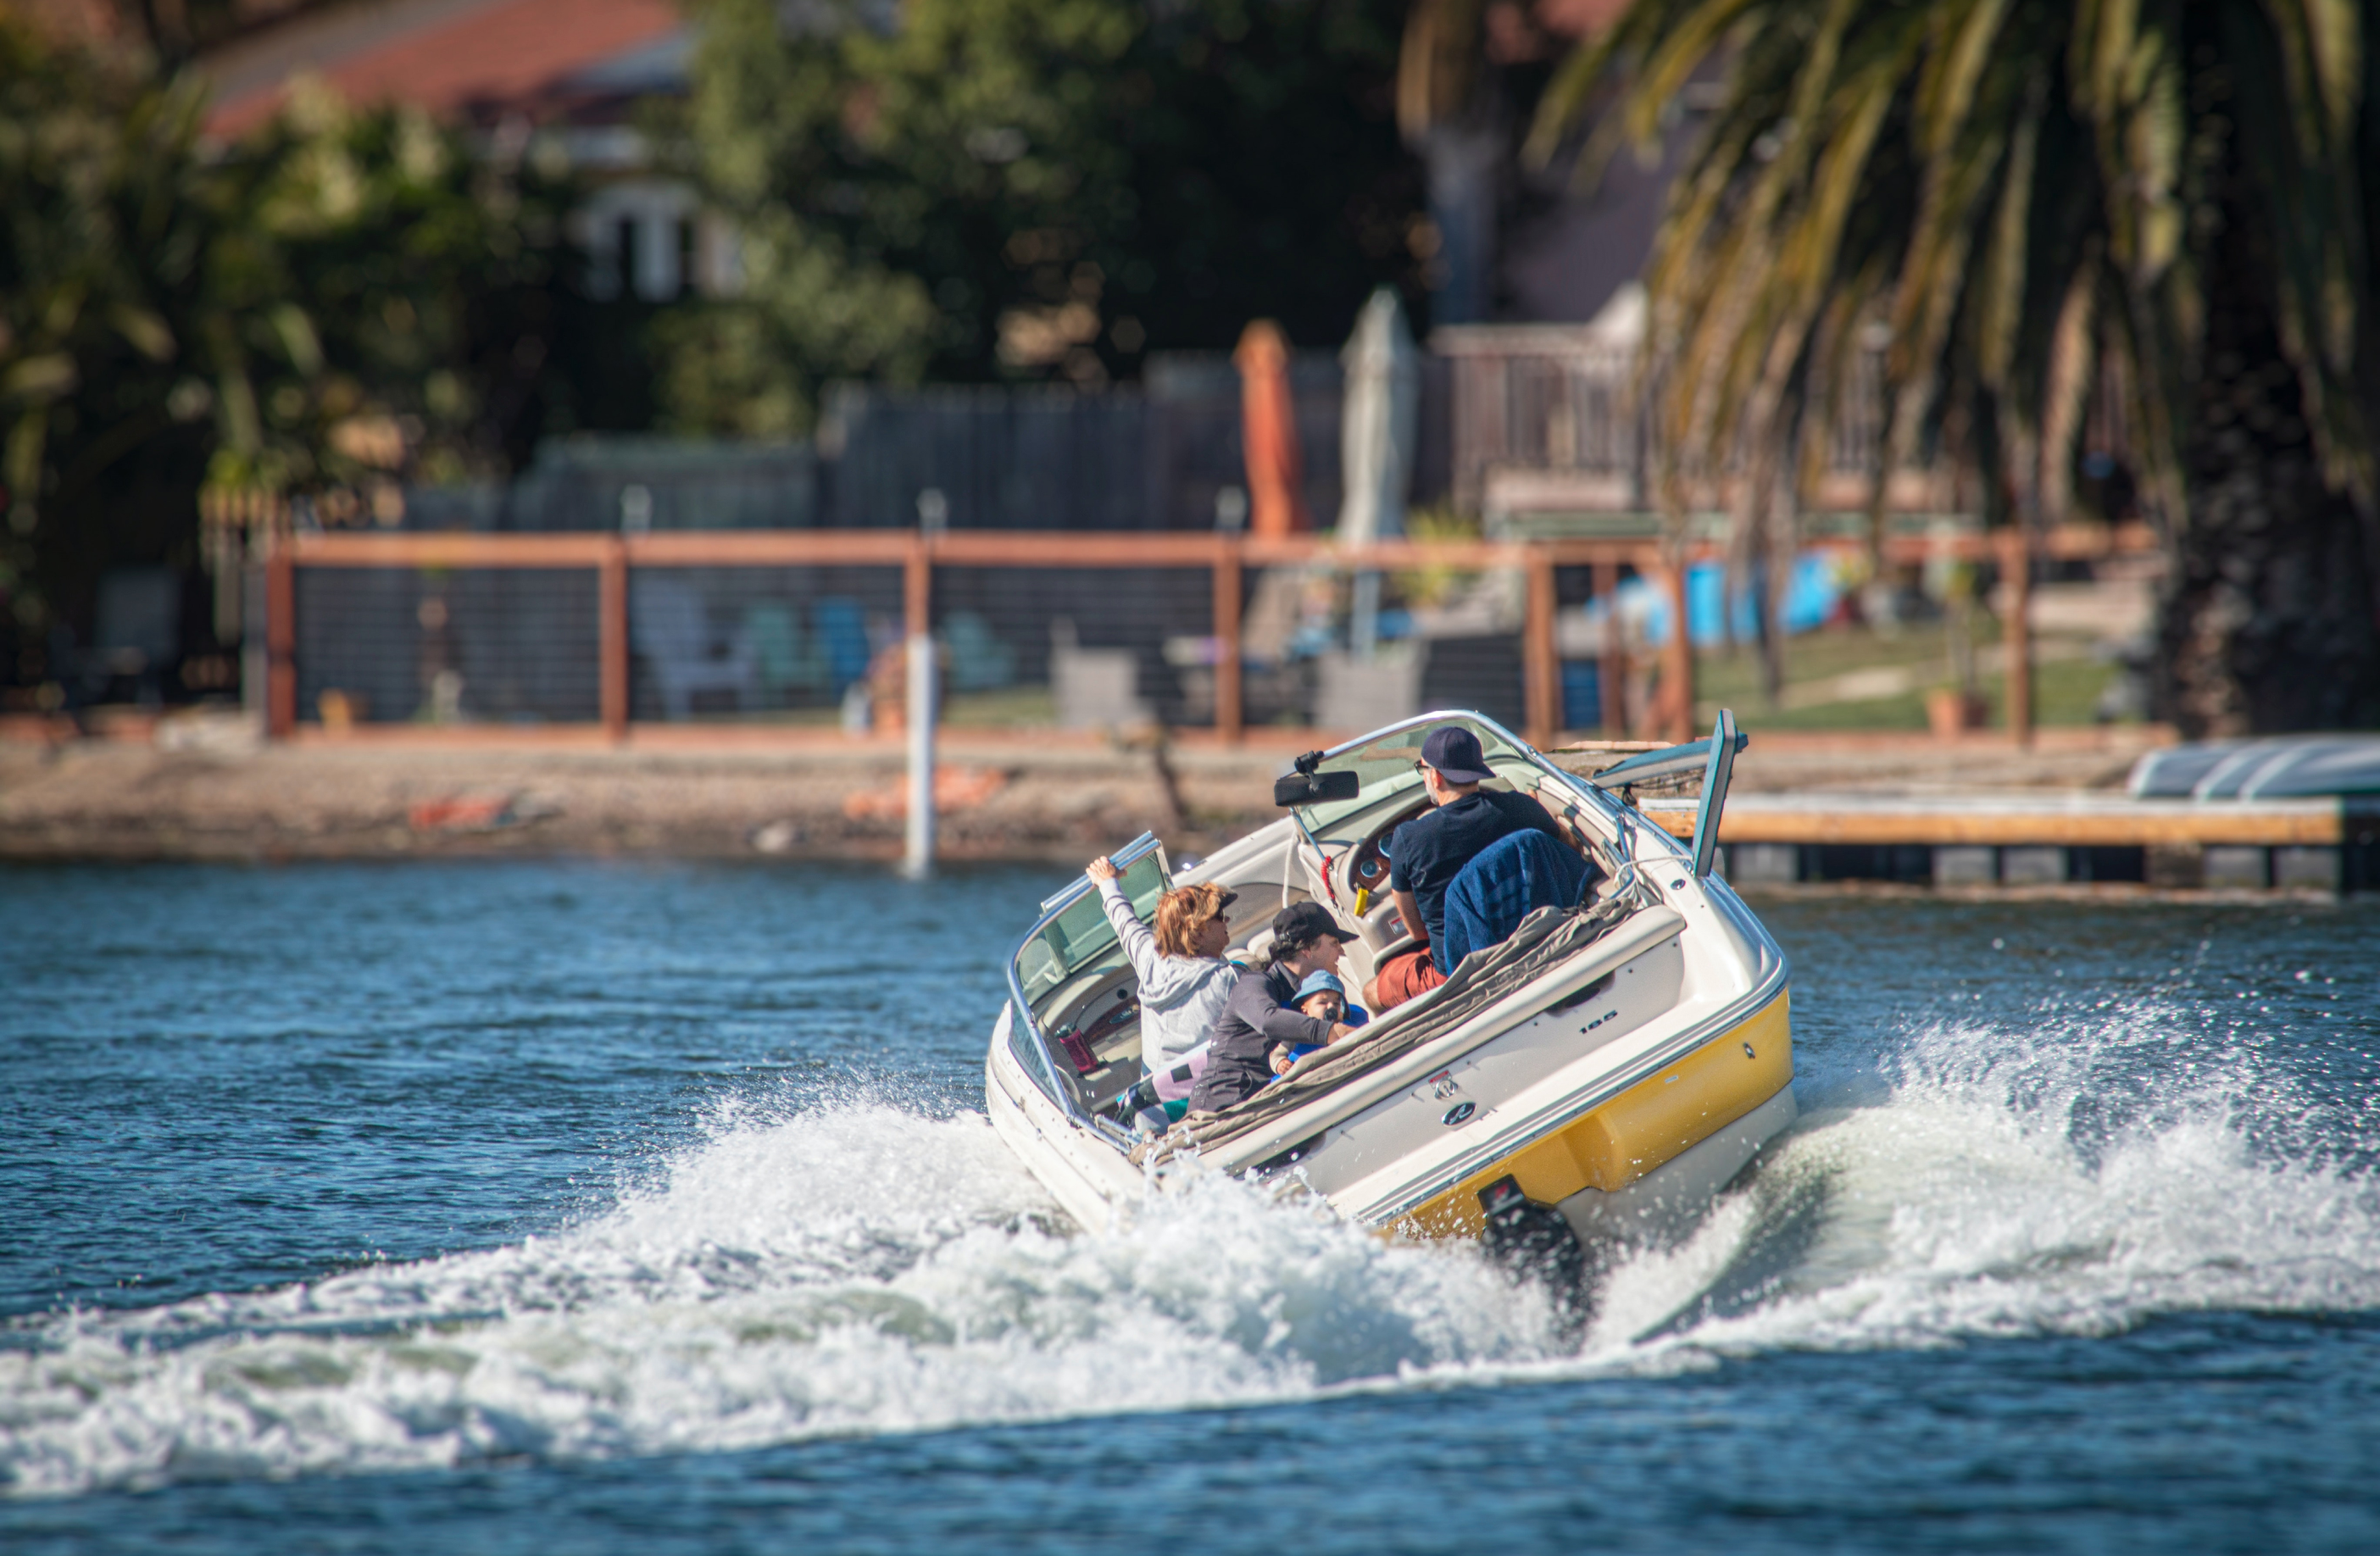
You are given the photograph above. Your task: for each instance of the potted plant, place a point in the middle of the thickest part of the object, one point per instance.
(1954, 708)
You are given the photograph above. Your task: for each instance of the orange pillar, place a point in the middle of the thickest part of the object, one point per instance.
(280, 644)
(2016, 563)
(611, 638)
(917, 590)
(1611, 675)
(1227, 640)
(888, 673)
(1540, 664)
(1269, 431)
(1678, 696)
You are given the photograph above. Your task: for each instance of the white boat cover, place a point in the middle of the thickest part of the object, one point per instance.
(1543, 940)
(2294, 767)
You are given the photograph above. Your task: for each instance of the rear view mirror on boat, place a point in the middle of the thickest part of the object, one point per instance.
(1312, 788)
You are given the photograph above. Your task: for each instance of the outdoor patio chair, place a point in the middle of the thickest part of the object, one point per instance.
(671, 628)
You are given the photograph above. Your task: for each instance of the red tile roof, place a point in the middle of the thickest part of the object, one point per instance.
(1578, 18)
(457, 58)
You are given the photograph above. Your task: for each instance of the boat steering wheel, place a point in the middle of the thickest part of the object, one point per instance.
(1367, 866)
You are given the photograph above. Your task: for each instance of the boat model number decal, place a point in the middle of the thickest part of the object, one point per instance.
(1599, 1021)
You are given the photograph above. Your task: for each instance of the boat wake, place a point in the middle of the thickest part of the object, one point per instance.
(2006, 1187)
(854, 1268)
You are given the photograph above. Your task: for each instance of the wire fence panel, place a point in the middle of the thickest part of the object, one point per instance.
(435, 645)
(1051, 629)
(1444, 637)
(1076, 647)
(766, 644)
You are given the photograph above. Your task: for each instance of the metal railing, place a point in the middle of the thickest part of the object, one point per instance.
(1545, 418)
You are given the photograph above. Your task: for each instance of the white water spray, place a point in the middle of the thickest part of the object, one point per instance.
(859, 1269)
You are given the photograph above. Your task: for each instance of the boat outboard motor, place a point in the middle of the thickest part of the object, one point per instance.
(1533, 1239)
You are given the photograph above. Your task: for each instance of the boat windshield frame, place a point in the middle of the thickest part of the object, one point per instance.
(1392, 772)
(1053, 908)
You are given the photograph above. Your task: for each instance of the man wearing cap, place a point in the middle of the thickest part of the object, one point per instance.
(1431, 850)
(1261, 1009)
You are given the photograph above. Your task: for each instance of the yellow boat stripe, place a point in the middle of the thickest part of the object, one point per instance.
(1645, 1126)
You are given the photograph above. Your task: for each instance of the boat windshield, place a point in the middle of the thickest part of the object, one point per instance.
(1385, 765)
(1080, 939)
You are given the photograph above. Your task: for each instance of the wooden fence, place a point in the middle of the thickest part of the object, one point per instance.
(1226, 559)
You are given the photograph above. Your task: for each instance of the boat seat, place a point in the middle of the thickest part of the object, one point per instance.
(1505, 883)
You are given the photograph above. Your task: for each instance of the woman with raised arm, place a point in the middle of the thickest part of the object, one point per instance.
(1184, 979)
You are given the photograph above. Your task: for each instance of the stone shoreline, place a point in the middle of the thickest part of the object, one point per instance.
(197, 789)
(235, 801)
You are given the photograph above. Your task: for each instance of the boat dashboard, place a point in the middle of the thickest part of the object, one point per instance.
(1367, 866)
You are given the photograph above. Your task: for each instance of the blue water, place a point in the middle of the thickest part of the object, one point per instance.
(564, 1208)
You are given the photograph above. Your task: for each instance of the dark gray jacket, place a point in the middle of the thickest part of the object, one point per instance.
(1256, 1017)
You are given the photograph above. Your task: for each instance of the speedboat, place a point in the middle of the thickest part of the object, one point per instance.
(1595, 1078)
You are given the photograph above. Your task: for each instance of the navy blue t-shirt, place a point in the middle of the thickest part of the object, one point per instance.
(1429, 851)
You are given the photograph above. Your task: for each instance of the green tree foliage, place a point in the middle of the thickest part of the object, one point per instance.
(1018, 188)
(92, 165)
(345, 298)
(2022, 190)
(373, 277)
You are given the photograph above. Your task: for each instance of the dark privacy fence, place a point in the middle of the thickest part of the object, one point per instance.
(1158, 454)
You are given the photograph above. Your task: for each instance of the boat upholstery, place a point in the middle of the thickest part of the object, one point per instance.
(1545, 939)
(1505, 883)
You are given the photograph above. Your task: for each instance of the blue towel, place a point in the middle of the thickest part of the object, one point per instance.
(1505, 883)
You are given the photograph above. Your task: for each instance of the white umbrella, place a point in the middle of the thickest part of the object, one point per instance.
(1376, 443)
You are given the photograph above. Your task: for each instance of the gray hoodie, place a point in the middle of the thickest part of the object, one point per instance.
(1180, 998)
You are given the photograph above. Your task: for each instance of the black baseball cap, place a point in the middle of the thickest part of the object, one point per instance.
(1455, 752)
(1305, 922)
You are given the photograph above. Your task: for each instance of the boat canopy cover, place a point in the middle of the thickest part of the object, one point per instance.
(1543, 940)
(2297, 767)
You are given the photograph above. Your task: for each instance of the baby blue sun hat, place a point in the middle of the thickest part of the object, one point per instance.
(1316, 982)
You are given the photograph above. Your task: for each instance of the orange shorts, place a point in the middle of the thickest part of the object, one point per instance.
(1411, 974)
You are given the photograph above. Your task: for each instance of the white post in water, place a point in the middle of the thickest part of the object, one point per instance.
(918, 861)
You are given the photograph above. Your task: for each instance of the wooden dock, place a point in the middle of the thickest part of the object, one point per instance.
(2040, 838)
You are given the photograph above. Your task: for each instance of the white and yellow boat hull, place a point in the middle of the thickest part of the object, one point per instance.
(1622, 1084)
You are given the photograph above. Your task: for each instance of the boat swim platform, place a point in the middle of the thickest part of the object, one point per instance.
(2041, 839)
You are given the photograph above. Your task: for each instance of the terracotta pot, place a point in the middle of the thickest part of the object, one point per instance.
(1951, 712)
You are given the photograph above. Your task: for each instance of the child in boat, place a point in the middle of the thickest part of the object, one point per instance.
(1323, 997)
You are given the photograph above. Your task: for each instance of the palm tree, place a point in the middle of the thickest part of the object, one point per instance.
(2035, 198)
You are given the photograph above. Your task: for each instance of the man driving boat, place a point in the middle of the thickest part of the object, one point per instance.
(1429, 851)
(1262, 1011)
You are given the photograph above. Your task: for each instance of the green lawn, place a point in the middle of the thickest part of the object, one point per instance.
(1010, 705)
(2068, 679)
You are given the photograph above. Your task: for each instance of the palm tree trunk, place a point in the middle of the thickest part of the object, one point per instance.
(2267, 611)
